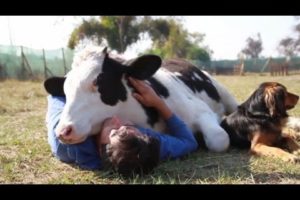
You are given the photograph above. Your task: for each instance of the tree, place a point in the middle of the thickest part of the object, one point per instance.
(297, 40)
(118, 31)
(253, 47)
(287, 47)
(158, 30)
(170, 39)
(91, 29)
(196, 53)
(290, 46)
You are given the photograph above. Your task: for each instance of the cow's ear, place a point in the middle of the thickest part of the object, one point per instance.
(55, 86)
(144, 67)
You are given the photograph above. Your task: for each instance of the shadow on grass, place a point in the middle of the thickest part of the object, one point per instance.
(201, 167)
(236, 166)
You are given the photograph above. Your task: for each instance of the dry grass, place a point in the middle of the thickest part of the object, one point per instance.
(25, 156)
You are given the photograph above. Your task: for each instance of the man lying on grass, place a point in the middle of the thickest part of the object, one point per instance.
(126, 148)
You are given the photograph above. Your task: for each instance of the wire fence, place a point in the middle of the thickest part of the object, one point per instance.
(26, 63)
(260, 65)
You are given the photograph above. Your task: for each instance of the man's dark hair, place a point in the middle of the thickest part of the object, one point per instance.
(134, 154)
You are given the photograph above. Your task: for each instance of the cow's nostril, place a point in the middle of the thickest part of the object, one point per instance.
(66, 131)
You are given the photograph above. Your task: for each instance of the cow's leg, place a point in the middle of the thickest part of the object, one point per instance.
(229, 102)
(215, 137)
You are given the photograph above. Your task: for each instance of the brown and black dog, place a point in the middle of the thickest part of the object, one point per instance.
(258, 122)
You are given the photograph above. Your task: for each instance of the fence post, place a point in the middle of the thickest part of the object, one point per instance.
(23, 64)
(45, 64)
(65, 67)
(26, 69)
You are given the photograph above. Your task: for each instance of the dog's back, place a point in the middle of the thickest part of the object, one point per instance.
(263, 113)
(236, 125)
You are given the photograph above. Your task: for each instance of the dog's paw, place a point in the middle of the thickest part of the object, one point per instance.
(297, 152)
(292, 159)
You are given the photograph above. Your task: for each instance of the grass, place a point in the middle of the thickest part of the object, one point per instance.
(25, 156)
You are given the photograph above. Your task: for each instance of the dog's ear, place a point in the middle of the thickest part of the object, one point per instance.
(270, 103)
(274, 100)
(255, 105)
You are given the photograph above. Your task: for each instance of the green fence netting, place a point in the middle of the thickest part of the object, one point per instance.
(254, 65)
(22, 62)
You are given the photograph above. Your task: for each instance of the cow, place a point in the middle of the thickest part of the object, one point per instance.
(97, 87)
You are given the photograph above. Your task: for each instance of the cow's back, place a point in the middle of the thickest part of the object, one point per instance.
(198, 83)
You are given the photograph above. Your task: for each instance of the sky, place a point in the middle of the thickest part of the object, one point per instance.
(225, 35)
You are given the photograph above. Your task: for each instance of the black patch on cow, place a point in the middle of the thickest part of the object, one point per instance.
(197, 85)
(159, 88)
(187, 71)
(55, 86)
(112, 90)
(162, 91)
(109, 82)
(152, 114)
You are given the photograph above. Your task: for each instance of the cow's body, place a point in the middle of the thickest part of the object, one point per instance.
(190, 93)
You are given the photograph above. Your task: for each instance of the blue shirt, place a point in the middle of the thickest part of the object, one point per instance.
(179, 142)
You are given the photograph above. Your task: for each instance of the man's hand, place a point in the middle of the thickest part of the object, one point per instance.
(148, 97)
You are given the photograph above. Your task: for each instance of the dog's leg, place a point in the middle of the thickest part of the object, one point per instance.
(262, 145)
(264, 150)
(291, 145)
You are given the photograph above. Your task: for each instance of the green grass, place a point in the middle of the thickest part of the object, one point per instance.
(25, 155)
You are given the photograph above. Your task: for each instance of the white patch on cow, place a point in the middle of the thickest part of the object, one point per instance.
(176, 73)
(195, 112)
(197, 76)
(228, 101)
(79, 107)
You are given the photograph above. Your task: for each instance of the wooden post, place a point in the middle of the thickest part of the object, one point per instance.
(26, 68)
(45, 64)
(23, 63)
(65, 67)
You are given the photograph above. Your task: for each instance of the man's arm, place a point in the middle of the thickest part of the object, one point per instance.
(181, 140)
(148, 97)
(178, 143)
(85, 154)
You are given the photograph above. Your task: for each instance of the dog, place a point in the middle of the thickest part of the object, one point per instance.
(258, 122)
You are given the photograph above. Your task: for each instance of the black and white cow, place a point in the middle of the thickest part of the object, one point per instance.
(97, 88)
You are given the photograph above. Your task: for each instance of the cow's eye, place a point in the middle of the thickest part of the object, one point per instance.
(95, 82)
(93, 86)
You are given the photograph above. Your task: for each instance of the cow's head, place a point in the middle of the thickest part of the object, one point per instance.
(94, 90)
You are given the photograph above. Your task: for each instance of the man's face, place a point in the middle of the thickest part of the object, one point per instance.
(115, 128)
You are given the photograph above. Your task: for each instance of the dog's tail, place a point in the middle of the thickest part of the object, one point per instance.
(294, 123)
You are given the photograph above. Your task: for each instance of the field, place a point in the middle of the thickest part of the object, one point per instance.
(25, 156)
